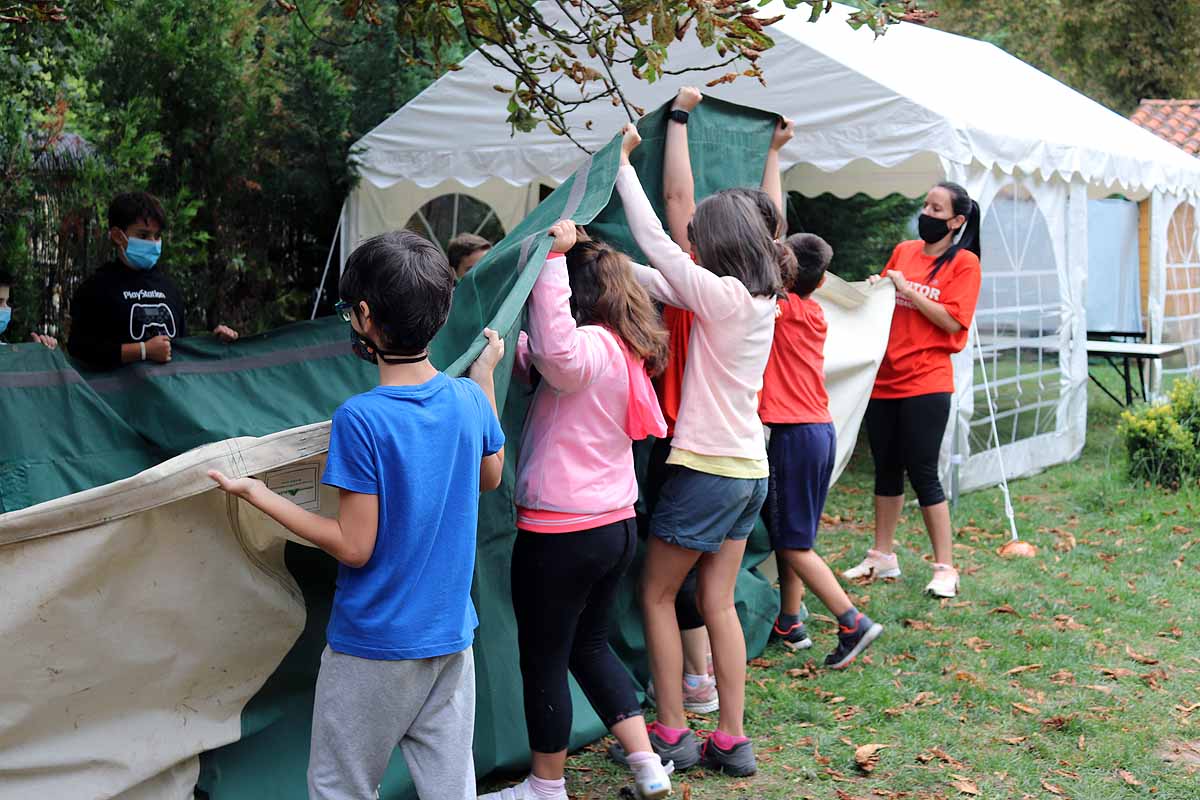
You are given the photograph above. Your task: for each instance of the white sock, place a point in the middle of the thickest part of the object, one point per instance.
(547, 788)
(693, 681)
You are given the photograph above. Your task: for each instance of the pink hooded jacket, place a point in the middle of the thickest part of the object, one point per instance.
(595, 398)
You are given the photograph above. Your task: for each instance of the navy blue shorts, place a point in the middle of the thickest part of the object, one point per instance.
(699, 511)
(802, 458)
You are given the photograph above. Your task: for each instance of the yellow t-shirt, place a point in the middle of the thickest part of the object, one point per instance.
(725, 466)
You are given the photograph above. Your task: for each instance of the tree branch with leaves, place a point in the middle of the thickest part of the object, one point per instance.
(566, 54)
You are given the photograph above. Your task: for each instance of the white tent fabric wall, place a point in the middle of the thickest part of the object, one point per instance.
(1114, 292)
(1031, 323)
(1173, 297)
(867, 120)
(370, 210)
(1181, 289)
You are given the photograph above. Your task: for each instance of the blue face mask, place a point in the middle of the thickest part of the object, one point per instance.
(5, 318)
(142, 253)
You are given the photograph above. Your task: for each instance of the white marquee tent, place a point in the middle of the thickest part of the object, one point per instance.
(877, 116)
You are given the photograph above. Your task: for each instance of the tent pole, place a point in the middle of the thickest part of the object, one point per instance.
(328, 260)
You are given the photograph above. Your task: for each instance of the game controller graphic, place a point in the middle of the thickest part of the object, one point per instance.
(148, 316)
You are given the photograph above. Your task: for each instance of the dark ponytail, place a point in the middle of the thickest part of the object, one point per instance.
(789, 268)
(962, 204)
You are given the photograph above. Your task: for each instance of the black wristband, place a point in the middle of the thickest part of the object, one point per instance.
(678, 115)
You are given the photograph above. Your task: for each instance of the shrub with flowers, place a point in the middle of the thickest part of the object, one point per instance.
(1163, 440)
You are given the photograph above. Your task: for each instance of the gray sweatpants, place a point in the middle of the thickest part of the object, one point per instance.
(364, 708)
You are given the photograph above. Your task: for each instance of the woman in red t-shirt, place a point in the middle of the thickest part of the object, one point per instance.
(937, 285)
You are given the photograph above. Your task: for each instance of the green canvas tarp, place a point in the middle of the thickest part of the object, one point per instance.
(162, 636)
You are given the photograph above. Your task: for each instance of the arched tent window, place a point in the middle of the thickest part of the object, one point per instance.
(1019, 316)
(444, 217)
(1181, 309)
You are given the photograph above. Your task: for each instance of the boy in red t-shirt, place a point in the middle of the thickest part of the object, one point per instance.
(802, 451)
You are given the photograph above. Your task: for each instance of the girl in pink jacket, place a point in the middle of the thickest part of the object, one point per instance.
(592, 335)
(718, 469)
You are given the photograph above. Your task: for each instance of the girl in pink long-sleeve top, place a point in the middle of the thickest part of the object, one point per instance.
(718, 462)
(592, 335)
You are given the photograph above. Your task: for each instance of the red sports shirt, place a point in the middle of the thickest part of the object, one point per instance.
(917, 360)
(670, 383)
(794, 383)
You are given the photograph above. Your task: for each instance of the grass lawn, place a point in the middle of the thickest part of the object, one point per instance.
(1071, 675)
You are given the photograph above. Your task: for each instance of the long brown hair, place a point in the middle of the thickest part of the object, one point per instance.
(605, 292)
(731, 237)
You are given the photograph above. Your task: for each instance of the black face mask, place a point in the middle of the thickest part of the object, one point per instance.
(365, 349)
(932, 229)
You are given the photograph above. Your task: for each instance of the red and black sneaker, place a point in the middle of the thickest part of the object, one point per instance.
(853, 641)
(794, 636)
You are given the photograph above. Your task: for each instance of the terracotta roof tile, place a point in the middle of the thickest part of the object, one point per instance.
(1176, 121)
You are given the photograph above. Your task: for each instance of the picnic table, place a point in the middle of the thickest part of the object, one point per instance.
(1123, 355)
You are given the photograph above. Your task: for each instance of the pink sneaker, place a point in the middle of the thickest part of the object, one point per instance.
(875, 565)
(701, 699)
(945, 581)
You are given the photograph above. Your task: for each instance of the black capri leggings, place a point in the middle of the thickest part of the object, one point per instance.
(906, 434)
(563, 589)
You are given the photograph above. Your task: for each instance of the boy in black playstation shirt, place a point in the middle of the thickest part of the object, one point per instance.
(129, 310)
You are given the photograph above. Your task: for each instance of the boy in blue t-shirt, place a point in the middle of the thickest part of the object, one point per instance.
(410, 458)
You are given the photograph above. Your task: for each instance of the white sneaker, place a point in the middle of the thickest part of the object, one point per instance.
(875, 565)
(652, 779)
(523, 791)
(945, 581)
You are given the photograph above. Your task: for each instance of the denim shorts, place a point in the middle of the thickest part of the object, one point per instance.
(699, 511)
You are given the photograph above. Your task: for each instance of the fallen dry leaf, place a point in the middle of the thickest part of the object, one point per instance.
(1013, 739)
(940, 755)
(1063, 678)
(867, 756)
(1025, 668)
(1153, 678)
(1056, 723)
(967, 677)
(1025, 708)
(1118, 673)
(977, 644)
(1064, 622)
(1065, 542)
(1128, 777)
(1052, 789)
(1004, 609)
(1138, 657)
(965, 786)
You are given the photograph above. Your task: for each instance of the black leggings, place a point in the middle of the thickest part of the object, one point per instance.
(687, 606)
(906, 434)
(563, 589)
